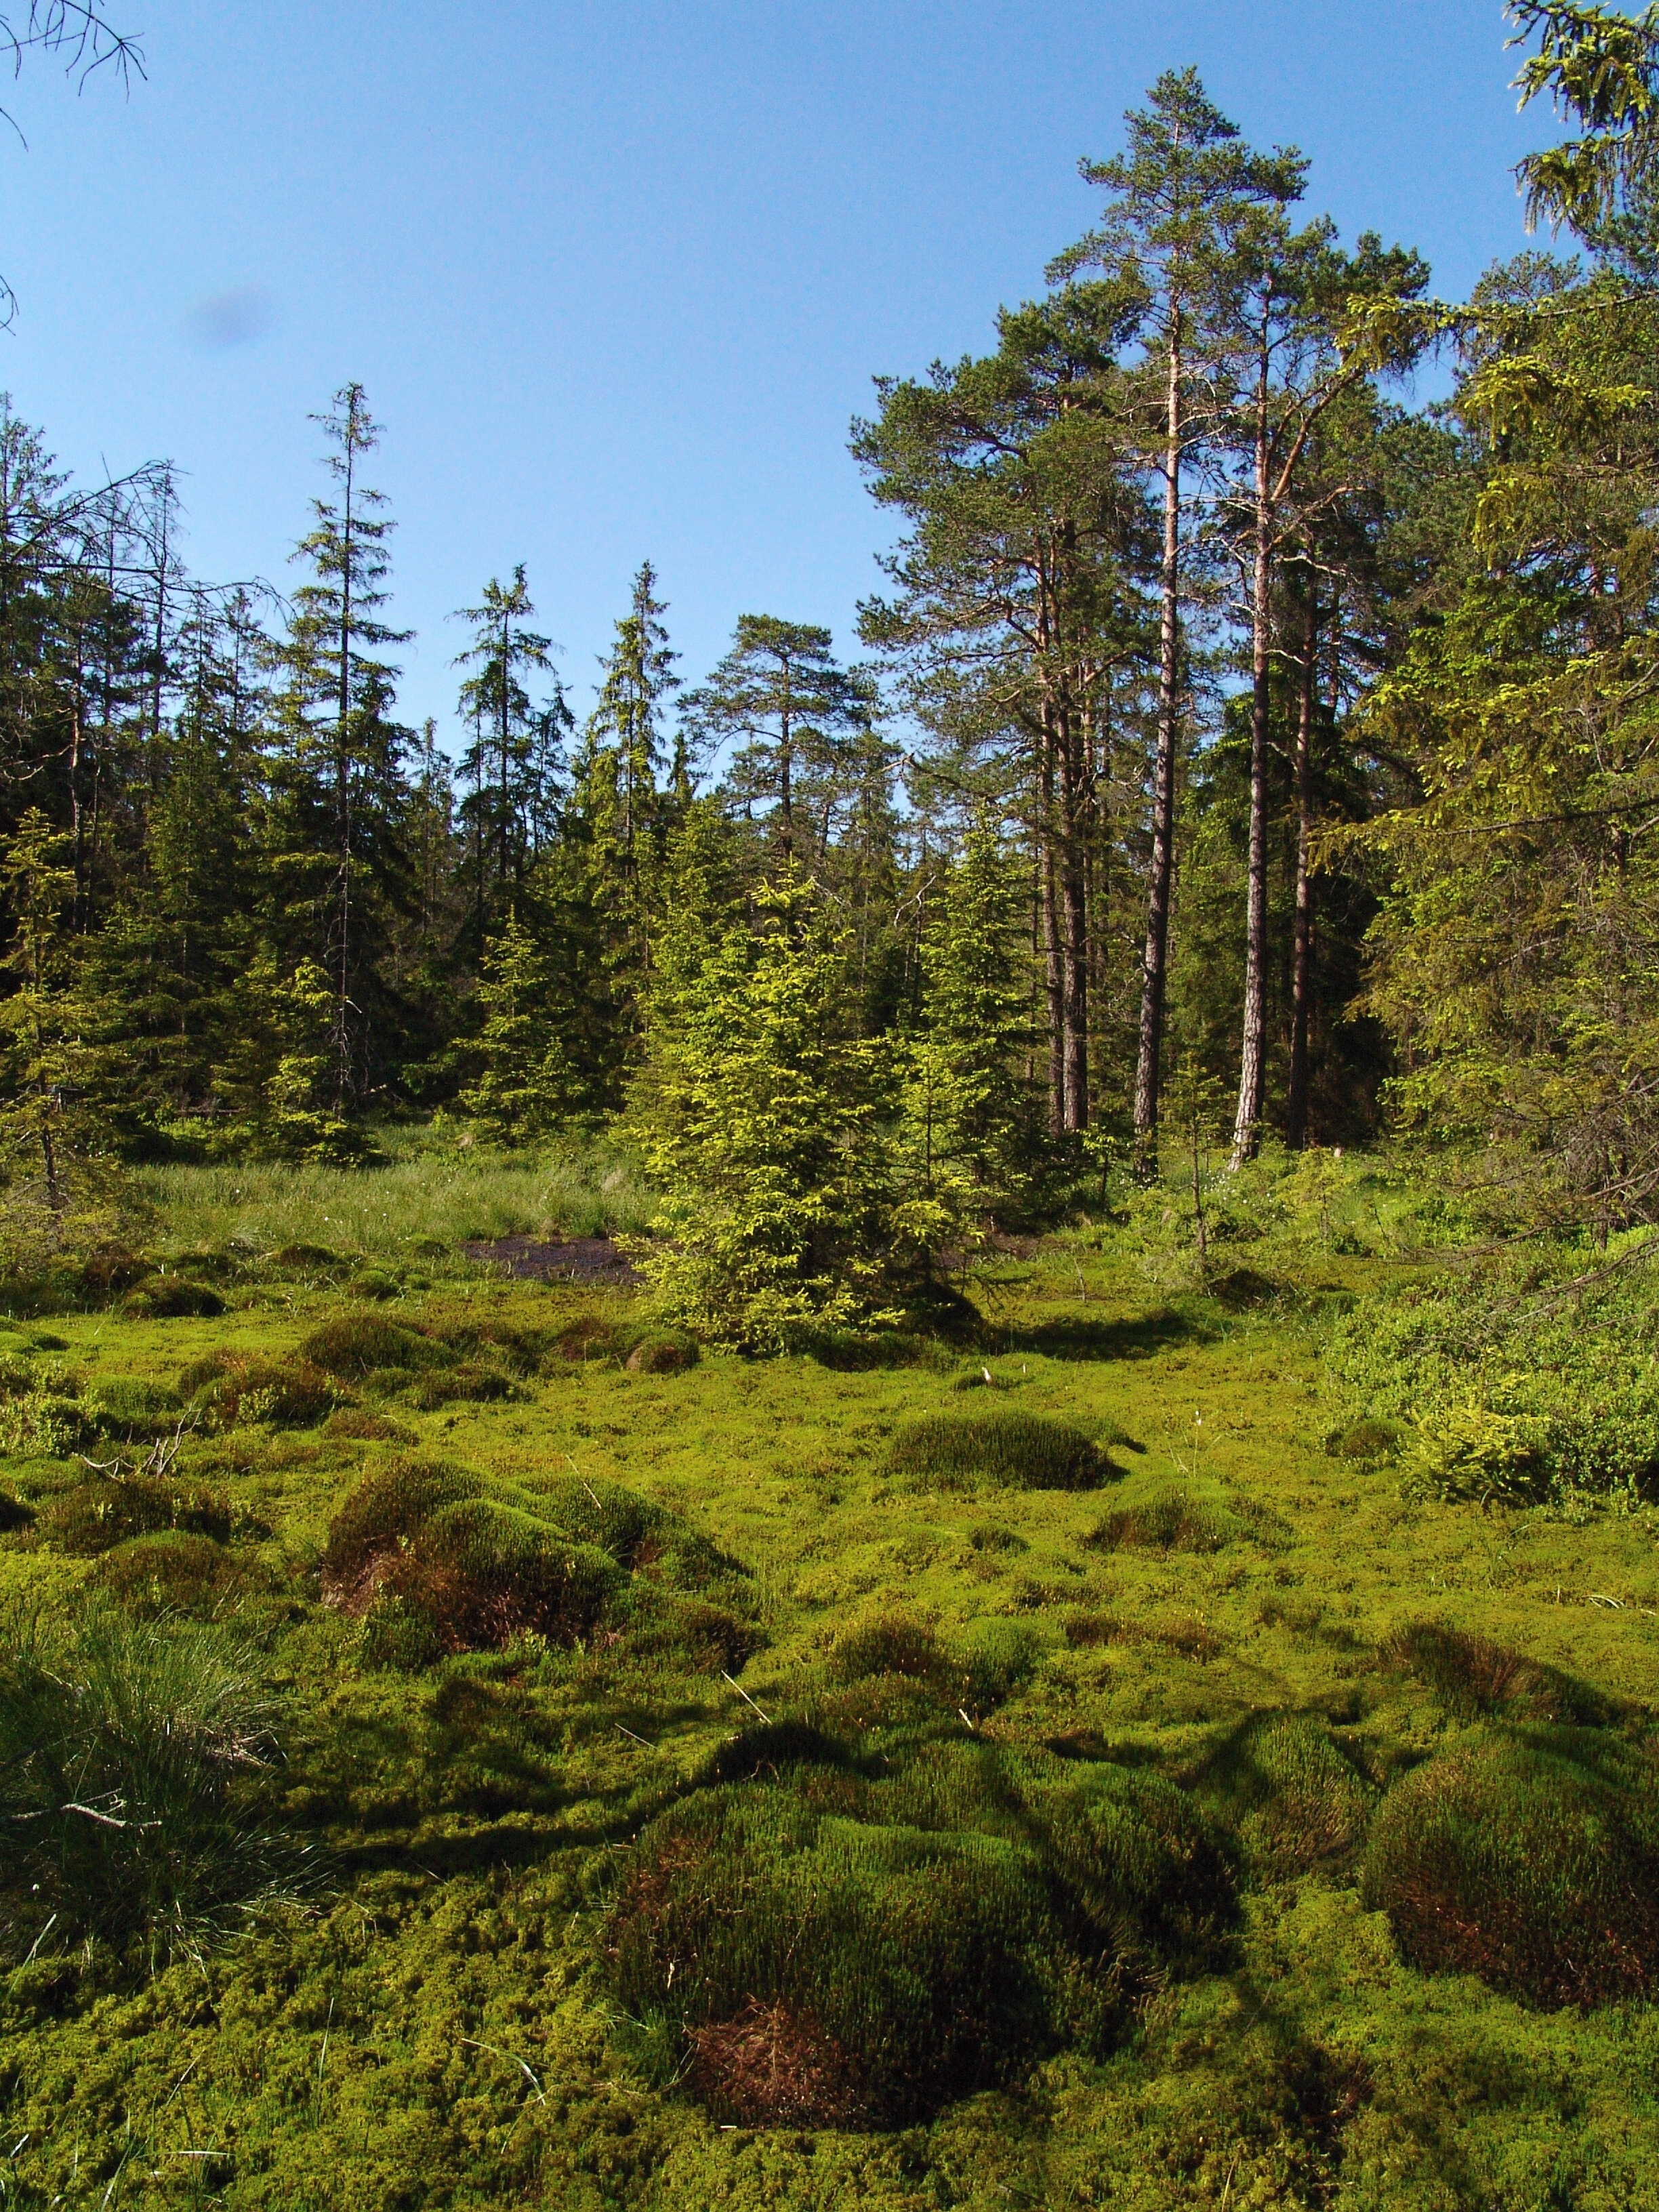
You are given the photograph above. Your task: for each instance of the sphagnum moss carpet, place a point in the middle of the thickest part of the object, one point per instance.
(533, 1773)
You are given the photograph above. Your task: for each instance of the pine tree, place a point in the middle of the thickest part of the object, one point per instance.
(1180, 192)
(781, 691)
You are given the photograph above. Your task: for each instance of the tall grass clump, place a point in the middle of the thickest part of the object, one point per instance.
(1024, 1451)
(133, 1758)
(1528, 1858)
(425, 1195)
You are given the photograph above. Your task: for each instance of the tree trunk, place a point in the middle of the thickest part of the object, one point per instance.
(1155, 960)
(1074, 948)
(1296, 1112)
(1253, 1059)
(1052, 958)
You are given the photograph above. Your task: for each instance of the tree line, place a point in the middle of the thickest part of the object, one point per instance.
(1225, 718)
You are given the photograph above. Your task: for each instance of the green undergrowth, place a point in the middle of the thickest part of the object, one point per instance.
(527, 1761)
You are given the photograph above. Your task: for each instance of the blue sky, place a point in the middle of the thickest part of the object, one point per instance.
(617, 276)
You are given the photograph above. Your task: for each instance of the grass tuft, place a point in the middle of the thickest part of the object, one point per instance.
(131, 1761)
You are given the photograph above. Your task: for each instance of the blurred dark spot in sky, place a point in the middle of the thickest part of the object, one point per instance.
(229, 318)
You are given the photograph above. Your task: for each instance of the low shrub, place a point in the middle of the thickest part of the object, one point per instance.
(1530, 1858)
(95, 1516)
(1025, 1451)
(14, 1514)
(171, 1297)
(1367, 1439)
(356, 1345)
(807, 1898)
(173, 1573)
(1479, 1681)
(132, 1761)
(1498, 1390)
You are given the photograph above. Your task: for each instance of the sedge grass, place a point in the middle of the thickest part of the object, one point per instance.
(416, 1197)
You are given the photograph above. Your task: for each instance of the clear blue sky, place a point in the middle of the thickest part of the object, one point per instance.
(617, 275)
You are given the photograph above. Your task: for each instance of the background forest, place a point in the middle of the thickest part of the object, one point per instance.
(1234, 740)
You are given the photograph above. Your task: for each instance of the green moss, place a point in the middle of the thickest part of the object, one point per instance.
(95, 1516)
(1531, 1859)
(479, 1810)
(1027, 1451)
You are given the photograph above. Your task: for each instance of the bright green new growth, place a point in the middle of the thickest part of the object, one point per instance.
(759, 1121)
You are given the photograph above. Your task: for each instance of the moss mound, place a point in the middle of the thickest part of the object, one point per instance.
(1176, 1519)
(471, 1383)
(173, 1297)
(174, 1573)
(356, 1345)
(1480, 1680)
(1292, 1797)
(352, 1424)
(232, 1387)
(1530, 1859)
(422, 1542)
(826, 1950)
(1025, 1451)
(95, 1517)
(123, 1407)
(662, 1352)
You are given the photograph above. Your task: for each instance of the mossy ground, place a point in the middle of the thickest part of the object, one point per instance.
(438, 2030)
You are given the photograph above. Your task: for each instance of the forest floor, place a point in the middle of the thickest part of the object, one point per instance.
(435, 2031)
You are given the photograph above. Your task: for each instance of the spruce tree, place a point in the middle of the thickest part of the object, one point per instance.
(515, 764)
(526, 1089)
(972, 1128)
(336, 861)
(52, 1133)
(760, 1120)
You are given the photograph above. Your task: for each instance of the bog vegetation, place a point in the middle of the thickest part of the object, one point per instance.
(884, 1433)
